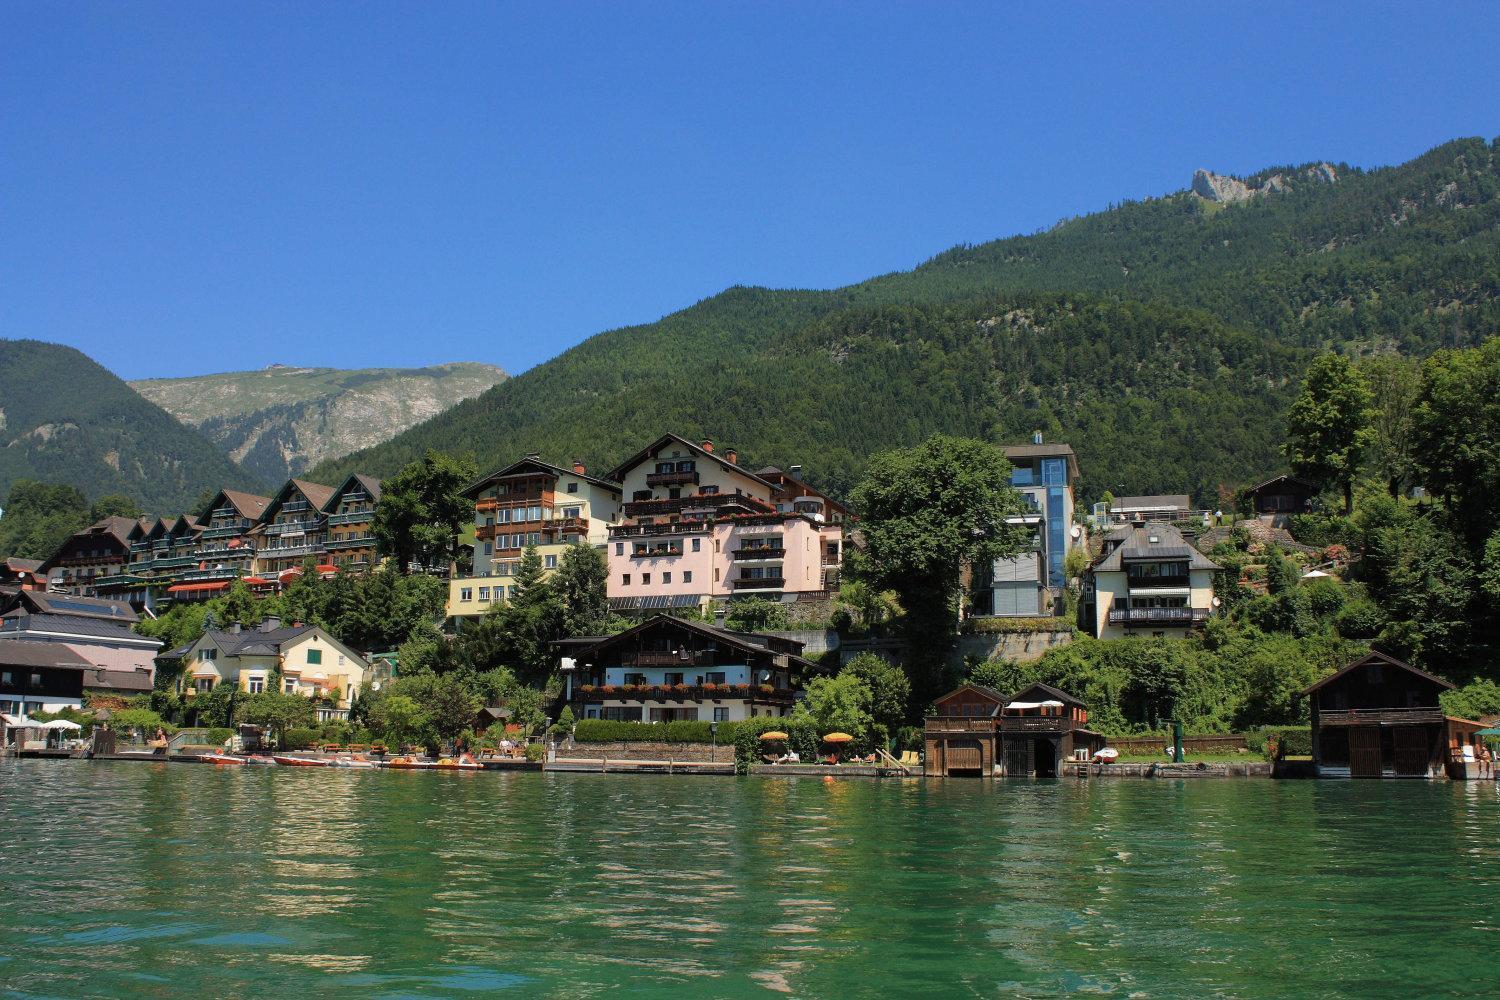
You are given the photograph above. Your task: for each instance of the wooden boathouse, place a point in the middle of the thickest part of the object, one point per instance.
(1381, 718)
(960, 735)
(1040, 728)
(976, 730)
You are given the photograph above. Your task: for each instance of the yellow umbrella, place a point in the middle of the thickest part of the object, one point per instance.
(837, 738)
(773, 736)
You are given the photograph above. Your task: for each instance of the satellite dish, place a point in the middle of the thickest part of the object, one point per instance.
(1217, 602)
(375, 686)
(1077, 531)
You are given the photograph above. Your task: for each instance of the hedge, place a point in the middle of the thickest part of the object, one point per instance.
(988, 625)
(608, 731)
(1291, 741)
(300, 739)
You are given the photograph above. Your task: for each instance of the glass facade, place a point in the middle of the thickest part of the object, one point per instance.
(1055, 479)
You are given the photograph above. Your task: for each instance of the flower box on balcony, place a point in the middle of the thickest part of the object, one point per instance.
(586, 689)
(767, 689)
(608, 689)
(742, 689)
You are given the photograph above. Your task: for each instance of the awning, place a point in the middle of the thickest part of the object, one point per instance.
(20, 722)
(1033, 704)
(199, 588)
(1160, 591)
(258, 581)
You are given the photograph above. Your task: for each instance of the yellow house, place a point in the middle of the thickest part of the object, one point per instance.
(530, 502)
(1148, 582)
(311, 662)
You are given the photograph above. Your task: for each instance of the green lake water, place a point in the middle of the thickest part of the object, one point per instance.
(164, 880)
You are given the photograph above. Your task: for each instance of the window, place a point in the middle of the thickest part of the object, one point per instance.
(716, 574)
(36, 680)
(572, 487)
(257, 685)
(535, 538)
(721, 715)
(666, 577)
(489, 548)
(466, 593)
(687, 466)
(625, 580)
(635, 678)
(687, 576)
(484, 594)
(709, 491)
(7, 679)
(697, 544)
(716, 545)
(314, 657)
(549, 562)
(208, 655)
(672, 679)
(714, 677)
(619, 548)
(204, 683)
(568, 512)
(646, 579)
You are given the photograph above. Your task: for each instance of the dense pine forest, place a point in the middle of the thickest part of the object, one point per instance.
(1163, 338)
(65, 419)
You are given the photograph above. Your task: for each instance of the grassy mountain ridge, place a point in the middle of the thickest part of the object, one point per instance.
(1160, 337)
(280, 420)
(66, 419)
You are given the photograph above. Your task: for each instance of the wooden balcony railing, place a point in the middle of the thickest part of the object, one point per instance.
(662, 658)
(762, 693)
(672, 528)
(760, 583)
(1380, 716)
(959, 724)
(1036, 723)
(672, 479)
(1159, 616)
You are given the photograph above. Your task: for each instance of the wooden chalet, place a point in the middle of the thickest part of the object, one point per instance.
(1381, 718)
(960, 735)
(1040, 728)
(1283, 495)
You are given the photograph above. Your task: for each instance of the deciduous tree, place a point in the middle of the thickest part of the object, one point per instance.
(1326, 425)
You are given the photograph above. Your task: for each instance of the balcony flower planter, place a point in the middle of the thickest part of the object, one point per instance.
(586, 689)
(742, 690)
(766, 689)
(608, 689)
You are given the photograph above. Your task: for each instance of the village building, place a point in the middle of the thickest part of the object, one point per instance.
(39, 677)
(1148, 581)
(309, 662)
(1382, 718)
(961, 734)
(225, 549)
(699, 527)
(1173, 507)
(162, 550)
(121, 660)
(669, 669)
(529, 502)
(349, 544)
(1032, 583)
(21, 574)
(1284, 495)
(1042, 726)
(99, 553)
(292, 528)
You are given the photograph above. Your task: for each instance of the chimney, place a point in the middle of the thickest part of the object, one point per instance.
(235, 628)
(270, 623)
(579, 468)
(707, 444)
(1036, 437)
(795, 472)
(733, 456)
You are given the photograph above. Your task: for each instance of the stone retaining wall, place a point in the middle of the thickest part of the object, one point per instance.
(1019, 647)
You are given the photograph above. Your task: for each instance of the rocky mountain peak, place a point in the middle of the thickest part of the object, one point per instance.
(1220, 187)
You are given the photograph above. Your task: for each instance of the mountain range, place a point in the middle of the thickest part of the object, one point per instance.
(279, 421)
(1163, 338)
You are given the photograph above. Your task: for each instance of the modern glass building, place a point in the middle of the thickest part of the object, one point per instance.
(1029, 584)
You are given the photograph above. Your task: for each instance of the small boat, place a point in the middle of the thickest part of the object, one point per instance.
(287, 761)
(221, 759)
(1106, 755)
(351, 762)
(464, 763)
(409, 764)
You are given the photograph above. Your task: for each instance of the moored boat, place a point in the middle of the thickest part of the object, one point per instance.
(289, 761)
(222, 759)
(409, 764)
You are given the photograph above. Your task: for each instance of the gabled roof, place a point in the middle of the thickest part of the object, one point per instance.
(316, 494)
(245, 504)
(253, 642)
(532, 462)
(1312, 487)
(38, 602)
(984, 690)
(1384, 660)
(85, 628)
(19, 653)
(737, 640)
(697, 451)
(1052, 693)
(99, 678)
(359, 480)
(117, 528)
(18, 565)
(1138, 546)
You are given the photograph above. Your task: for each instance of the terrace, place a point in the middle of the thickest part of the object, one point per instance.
(1159, 616)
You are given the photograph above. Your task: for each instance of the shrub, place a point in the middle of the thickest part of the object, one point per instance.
(300, 738)
(608, 731)
(218, 734)
(1290, 741)
(1016, 626)
(535, 752)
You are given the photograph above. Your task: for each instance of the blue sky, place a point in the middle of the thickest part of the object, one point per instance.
(193, 188)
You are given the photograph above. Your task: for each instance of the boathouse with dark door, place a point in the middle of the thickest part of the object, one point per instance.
(1040, 728)
(1381, 718)
(960, 734)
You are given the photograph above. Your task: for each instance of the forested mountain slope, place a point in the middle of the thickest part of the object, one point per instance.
(65, 419)
(1159, 337)
(280, 420)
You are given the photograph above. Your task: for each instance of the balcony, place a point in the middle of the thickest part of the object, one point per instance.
(662, 658)
(118, 580)
(224, 552)
(707, 503)
(984, 725)
(760, 552)
(762, 693)
(350, 542)
(225, 530)
(1129, 617)
(566, 526)
(292, 551)
(292, 527)
(673, 528)
(1421, 715)
(351, 517)
(760, 583)
(657, 552)
(1036, 723)
(672, 479)
(1159, 582)
(220, 573)
(294, 506)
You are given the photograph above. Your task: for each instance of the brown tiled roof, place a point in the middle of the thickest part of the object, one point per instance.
(248, 504)
(19, 653)
(317, 494)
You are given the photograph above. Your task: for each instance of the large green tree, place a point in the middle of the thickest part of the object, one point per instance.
(1326, 425)
(38, 517)
(924, 513)
(890, 690)
(1458, 435)
(422, 511)
(1390, 438)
